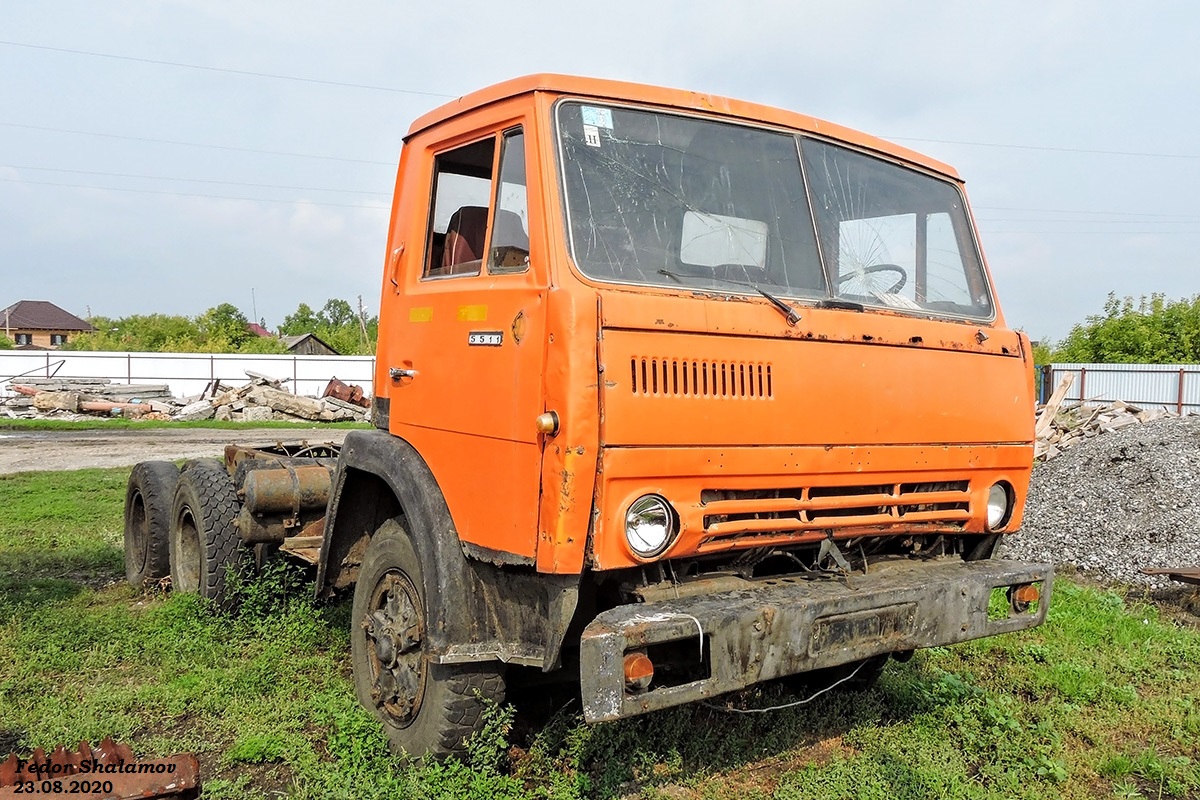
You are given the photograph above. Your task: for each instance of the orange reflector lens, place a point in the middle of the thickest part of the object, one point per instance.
(1027, 594)
(639, 671)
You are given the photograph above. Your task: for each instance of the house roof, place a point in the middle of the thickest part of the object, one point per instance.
(291, 341)
(259, 330)
(40, 315)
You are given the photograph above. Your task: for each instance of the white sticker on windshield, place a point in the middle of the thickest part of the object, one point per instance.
(591, 135)
(600, 117)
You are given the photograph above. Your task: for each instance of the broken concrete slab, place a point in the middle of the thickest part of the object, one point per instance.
(198, 410)
(287, 403)
(257, 413)
(56, 401)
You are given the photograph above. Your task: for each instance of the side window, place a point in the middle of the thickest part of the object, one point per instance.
(24, 338)
(509, 251)
(462, 187)
(58, 339)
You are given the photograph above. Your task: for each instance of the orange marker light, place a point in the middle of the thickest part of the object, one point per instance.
(1024, 596)
(1027, 594)
(639, 671)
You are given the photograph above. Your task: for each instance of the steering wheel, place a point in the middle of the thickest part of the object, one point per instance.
(875, 268)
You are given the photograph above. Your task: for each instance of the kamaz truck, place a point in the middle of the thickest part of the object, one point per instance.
(674, 394)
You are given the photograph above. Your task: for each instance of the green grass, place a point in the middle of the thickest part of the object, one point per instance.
(117, 423)
(1099, 702)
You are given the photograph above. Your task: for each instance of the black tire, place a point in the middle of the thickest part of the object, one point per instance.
(868, 674)
(148, 497)
(425, 708)
(206, 549)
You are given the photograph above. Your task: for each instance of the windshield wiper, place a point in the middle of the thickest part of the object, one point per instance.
(784, 308)
(846, 305)
(790, 313)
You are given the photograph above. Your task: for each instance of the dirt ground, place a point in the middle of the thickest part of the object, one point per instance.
(59, 450)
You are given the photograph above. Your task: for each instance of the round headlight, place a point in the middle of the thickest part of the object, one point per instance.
(649, 525)
(999, 506)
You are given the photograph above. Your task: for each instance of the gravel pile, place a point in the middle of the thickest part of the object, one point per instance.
(1118, 502)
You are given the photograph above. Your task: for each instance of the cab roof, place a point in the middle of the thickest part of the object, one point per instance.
(621, 91)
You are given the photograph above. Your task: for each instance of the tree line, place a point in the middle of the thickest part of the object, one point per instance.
(1148, 330)
(225, 329)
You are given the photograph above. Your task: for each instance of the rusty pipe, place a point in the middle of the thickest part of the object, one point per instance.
(288, 490)
(104, 405)
(275, 528)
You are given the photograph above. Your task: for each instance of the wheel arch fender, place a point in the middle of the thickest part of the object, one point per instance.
(477, 611)
(380, 477)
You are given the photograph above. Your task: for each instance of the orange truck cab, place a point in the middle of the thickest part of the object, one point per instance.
(674, 394)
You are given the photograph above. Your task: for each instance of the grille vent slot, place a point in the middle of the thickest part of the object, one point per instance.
(685, 377)
(748, 514)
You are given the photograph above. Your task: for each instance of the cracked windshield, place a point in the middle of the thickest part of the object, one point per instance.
(678, 201)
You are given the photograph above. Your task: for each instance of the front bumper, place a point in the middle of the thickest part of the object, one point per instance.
(788, 625)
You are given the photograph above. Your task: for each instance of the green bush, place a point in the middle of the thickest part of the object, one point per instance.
(1151, 330)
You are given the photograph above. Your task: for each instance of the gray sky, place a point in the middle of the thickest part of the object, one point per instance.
(1036, 89)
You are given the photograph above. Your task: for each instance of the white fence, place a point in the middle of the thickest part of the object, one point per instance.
(1173, 386)
(186, 373)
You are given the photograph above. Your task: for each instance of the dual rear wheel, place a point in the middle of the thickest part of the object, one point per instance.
(181, 524)
(148, 498)
(205, 547)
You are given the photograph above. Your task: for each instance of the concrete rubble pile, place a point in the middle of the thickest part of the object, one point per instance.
(262, 399)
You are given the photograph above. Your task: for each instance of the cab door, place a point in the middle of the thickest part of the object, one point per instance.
(466, 360)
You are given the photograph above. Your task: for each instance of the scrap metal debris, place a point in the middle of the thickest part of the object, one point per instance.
(348, 393)
(1180, 574)
(109, 771)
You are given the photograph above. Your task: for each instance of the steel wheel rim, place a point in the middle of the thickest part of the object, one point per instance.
(139, 526)
(187, 550)
(394, 629)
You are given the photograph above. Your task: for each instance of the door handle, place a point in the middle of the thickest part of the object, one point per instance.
(394, 266)
(397, 373)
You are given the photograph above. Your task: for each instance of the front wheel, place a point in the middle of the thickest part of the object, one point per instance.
(426, 708)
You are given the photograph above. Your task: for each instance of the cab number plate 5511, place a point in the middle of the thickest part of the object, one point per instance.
(485, 338)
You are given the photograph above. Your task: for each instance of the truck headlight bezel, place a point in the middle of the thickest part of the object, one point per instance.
(651, 525)
(1000, 506)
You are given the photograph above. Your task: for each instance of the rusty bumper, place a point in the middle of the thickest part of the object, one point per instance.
(788, 625)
